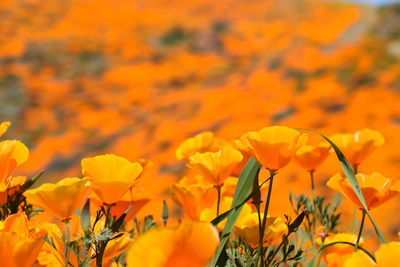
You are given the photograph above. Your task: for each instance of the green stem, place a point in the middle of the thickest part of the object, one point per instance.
(361, 229)
(312, 184)
(260, 240)
(264, 222)
(219, 198)
(67, 240)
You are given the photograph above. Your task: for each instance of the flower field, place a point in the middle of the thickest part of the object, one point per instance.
(199, 133)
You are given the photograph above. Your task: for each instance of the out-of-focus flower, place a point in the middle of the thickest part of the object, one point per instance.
(247, 229)
(119, 207)
(193, 197)
(358, 146)
(18, 250)
(386, 255)
(201, 143)
(216, 166)
(60, 199)
(274, 146)
(208, 214)
(310, 157)
(376, 188)
(115, 247)
(336, 255)
(359, 258)
(4, 127)
(13, 153)
(187, 245)
(111, 176)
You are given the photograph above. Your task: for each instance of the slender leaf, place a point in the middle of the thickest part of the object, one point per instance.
(348, 171)
(245, 183)
(85, 215)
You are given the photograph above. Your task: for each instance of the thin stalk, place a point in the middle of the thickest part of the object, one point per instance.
(312, 184)
(102, 244)
(361, 229)
(67, 240)
(260, 241)
(132, 212)
(264, 222)
(355, 169)
(219, 198)
(313, 221)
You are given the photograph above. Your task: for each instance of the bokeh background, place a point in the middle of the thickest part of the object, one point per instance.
(136, 78)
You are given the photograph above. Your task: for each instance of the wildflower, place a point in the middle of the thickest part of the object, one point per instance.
(60, 199)
(111, 176)
(19, 250)
(310, 157)
(216, 166)
(193, 197)
(13, 153)
(274, 146)
(201, 143)
(336, 255)
(248, 230)
(376, 188)
(358, 146)
(386, 255)
(187, 245)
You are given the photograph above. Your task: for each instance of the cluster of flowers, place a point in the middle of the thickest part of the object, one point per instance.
(96, 213)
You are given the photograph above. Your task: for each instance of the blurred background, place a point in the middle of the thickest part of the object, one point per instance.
(136, 78)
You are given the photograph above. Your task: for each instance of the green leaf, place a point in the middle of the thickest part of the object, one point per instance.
(85, 215)
(28, 184)
(244, 185)
(255, 191)
(348, 171)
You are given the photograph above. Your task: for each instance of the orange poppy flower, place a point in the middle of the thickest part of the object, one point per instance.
(247, 229)
(111, 176)
(60, 199)
(376, 188)
(201, 142)
(13, 153)
(336, 255)
(274, 146)
(216, 166)
(193, 198)
(19, 250)
(386, 255)
(310, 157)
(358, 146)
(191, 244)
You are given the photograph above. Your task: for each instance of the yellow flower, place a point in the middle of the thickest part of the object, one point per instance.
(202, 142)
(208, 214)
(358, 146)
(115, 247)
(111, 176)
(60, 199)
(388, 254)
(310, 157)
(336, 255)
(216, 166)
(187, 245)
(193, 198)
(359, 258)
(274, 146)
(376, 188)
(247, 229)
(4, 127)
(13, 153)
(18, 250)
